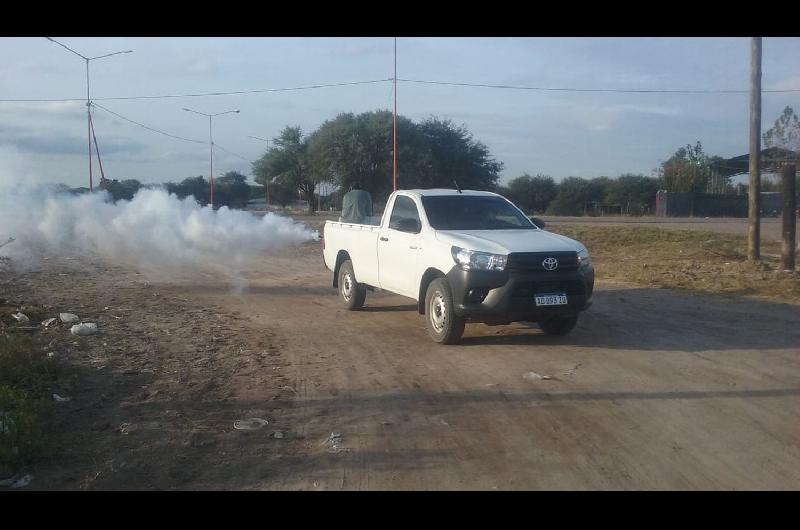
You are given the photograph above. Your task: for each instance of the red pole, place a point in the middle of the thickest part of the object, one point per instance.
(394, 174)
(211, 173)
(89, 124)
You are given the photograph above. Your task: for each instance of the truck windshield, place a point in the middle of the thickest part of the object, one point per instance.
(473, 212)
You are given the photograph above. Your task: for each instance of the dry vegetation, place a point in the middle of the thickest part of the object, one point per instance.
(685, 259)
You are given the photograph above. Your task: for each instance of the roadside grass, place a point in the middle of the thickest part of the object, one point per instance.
(26, 374)
(685, 259)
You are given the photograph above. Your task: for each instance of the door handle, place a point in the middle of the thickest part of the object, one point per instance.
(412, 247)
(383, 238)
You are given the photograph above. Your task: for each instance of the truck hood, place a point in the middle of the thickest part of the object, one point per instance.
(508, 241)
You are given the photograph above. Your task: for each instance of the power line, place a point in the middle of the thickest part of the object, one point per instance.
(147, 127)
(232, 153)
(558, 89)
(205, 94)
(403, 80)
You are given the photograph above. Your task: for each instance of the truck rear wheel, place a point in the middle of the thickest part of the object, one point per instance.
(351, 292)
(558, 325)
(444, 326)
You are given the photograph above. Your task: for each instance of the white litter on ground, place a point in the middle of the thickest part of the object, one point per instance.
(250, 424)
(87, 328)
(533, 376)
(69, 318)
(21, 318)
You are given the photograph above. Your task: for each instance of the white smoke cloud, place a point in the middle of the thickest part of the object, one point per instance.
(162, 236)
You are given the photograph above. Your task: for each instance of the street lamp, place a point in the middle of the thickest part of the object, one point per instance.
(211, 144)
(266, 185)
(88, 100)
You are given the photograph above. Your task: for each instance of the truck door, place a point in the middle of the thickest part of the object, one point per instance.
(398, 248)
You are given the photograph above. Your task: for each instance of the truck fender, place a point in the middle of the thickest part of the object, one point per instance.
(429, 275)
(341, 257)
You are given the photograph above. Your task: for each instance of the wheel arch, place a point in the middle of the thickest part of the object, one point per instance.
(341, 257)
(428, 276)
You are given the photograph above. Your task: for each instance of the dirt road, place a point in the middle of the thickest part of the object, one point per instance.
(653, 390)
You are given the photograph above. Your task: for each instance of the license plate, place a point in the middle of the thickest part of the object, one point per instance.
(551, 299)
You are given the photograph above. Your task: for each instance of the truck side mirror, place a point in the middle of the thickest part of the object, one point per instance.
(410, 225)
(538, 222)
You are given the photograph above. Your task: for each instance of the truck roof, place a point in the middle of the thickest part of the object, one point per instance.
(441, 191)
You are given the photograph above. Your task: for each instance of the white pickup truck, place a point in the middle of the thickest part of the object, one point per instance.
(464, 256)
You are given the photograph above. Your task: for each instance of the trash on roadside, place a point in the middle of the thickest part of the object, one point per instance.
(22, 481)
(533, 376)
(51, 354)
(49, 322)
(21, 318)
(68, 318)
(573, 369)
(333, 442)
(87, 328)
(59, 398)
(127, 428)
(250, 424)
(278, 434)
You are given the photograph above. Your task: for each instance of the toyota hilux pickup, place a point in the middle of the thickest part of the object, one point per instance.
(463, 256)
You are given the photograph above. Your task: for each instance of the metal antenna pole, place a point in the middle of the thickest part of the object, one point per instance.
(394, 119)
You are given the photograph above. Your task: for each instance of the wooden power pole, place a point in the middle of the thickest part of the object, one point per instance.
(788, 173)
(754, 195)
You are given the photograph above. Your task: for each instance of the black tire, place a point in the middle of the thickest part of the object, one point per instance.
(444, 326)
(351, 292)
(558, 325)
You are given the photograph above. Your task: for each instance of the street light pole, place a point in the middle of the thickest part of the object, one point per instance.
(211, 147)
(88, 98)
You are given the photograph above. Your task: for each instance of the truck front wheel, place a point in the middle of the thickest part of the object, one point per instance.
(352, 293)
(444, 326)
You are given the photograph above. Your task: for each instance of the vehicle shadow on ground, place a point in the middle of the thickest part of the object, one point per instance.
(659, 319)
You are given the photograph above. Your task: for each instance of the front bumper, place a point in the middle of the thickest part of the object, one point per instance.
(510, 294)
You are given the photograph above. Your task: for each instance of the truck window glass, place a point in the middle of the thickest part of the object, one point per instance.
(464, 212)
(405, 216)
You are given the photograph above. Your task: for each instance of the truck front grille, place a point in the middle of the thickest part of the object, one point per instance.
(532, 261)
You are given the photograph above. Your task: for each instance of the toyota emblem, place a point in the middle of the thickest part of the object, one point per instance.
(550, 264)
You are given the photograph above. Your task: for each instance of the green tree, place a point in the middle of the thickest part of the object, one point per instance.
(783, 140)
(434, 153)
(356, 148)
(197, 187)
(634, 194)
(231, 190)
(576, 195)
(287, 163)
(531, 194)
(122, 190)
(691, 169)
(456, 156)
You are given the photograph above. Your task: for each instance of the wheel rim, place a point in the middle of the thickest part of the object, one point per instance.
(347, 286)
(438, 312)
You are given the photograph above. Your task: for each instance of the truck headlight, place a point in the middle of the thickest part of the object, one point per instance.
(480, 261)
(583, 258)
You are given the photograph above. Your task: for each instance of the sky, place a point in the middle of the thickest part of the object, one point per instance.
(561, 134)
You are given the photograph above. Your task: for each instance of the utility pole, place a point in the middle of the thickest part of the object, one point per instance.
(754, 195)
(89, 128)
(789, 172)
(211, 147)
